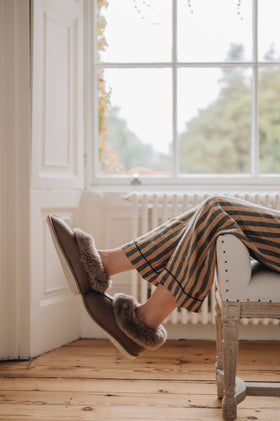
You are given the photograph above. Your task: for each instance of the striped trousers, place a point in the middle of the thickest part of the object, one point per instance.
(181, 253)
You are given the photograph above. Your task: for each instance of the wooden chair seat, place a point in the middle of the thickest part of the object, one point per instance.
(244, 288)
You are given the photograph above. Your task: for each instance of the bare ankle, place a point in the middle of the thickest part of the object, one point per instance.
(106, 261)
(157, 308)
(115, 261)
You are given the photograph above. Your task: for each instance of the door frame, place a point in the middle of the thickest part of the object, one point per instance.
(15, 100)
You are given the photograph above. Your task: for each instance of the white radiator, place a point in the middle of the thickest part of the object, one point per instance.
(152, 209)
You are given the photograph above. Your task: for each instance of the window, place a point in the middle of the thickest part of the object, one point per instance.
(187, 91)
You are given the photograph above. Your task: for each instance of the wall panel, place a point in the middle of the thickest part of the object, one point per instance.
(58, 144)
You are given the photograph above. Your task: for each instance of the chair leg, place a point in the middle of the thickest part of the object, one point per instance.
(219, 349)
(230, 330)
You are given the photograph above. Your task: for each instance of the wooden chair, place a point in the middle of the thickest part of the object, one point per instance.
(244, 288)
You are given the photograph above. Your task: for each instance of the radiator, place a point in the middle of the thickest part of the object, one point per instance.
(152, 209)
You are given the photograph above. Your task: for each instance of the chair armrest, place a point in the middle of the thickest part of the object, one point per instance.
(233, 266)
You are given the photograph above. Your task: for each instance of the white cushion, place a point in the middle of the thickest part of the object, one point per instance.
(239, 279)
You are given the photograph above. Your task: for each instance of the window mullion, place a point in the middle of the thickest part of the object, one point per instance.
(93, 105)
(175, 146)
(255, 122)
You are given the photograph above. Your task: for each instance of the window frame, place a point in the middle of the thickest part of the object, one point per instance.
(251, 180)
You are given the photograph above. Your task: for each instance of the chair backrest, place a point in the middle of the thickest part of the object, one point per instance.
(233, 266)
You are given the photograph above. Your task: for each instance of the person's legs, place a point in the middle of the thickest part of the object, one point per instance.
(172, 258)
(116, 315)
(177, 257)
(181, 254)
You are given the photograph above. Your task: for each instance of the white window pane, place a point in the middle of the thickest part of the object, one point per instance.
(137, 31)
(214, 31)
(214, 120)
(269, 30)
(135, 133)
(269, 120)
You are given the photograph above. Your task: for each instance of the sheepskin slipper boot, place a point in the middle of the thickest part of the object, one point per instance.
(100, 308)
(79, 258)
(124, 307)
(90, 258)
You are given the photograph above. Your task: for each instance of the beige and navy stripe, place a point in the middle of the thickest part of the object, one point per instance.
(181, 253)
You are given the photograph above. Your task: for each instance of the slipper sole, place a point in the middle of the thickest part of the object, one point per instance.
(107, 333)
(66, 266)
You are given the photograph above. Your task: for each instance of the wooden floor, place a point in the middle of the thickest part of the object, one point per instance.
(90, 380)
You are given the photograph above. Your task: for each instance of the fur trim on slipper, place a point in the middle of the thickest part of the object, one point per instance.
(91, 260)
(124, 309)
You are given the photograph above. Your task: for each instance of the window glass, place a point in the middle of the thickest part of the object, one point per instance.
(269, 120)
(137, 31)
(209, 32)
(214, 120)
(135, 134)
(269, 30)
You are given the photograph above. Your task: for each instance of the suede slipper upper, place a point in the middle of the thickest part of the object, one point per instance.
(79, 258)
(100, 308)
(124, 307)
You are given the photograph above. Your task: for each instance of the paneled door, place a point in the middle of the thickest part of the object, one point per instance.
(57, 173)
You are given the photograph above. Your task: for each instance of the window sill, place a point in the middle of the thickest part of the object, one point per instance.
(209, 182)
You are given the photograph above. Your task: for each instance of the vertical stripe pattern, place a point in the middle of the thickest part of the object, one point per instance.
(181, 253)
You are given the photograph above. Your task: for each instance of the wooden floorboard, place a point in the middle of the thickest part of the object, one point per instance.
(90, 380)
